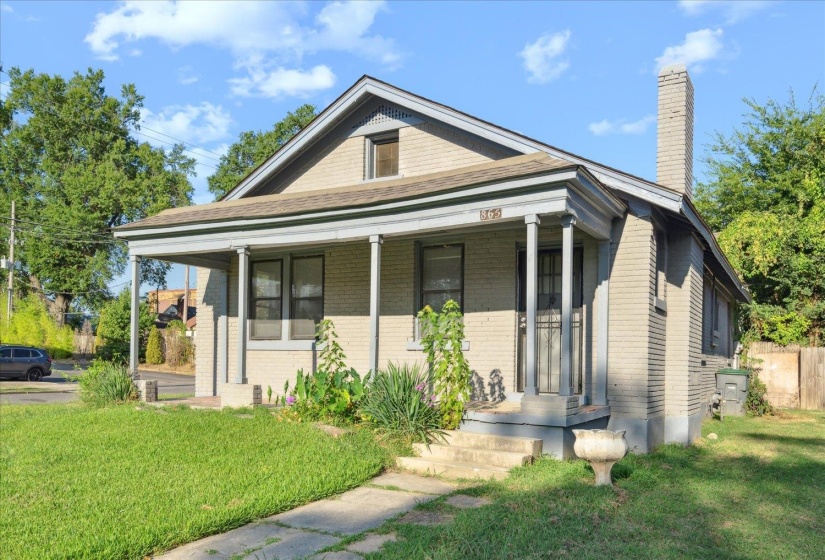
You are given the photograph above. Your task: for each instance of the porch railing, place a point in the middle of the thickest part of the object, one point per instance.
(548, 359)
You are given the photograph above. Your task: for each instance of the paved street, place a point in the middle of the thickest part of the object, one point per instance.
(55, 389)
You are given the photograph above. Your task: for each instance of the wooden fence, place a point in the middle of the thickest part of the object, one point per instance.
(812, 378)
(794, 375)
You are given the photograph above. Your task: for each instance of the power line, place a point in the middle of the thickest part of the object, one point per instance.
(72, 230)
(144, 134)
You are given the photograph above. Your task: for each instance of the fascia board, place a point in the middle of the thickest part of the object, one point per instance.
(460, 214)
(707, 235)
(483, 191)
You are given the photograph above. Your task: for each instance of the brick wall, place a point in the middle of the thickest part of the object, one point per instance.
(423, 148)
(490, 311)
(630, 318)
(674, 149)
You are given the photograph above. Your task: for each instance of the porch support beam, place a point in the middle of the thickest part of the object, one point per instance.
(603, 305)
(134, 334)
(243, 307)
(375, 297)
(531, 386)
(566, 370)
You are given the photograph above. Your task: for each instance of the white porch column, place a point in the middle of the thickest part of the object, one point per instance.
(603, 305)
(375, 298)
(566, 373)
(531, 385)
(134, 333)
(243, 310)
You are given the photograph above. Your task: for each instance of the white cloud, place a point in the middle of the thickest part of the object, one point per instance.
(265, 38)
(732, 10)
(698, 47)
(187, 75)
(196, 124)
(542, 59)
(282, 82)
(622, 126)
(6, 8)
(135, 52)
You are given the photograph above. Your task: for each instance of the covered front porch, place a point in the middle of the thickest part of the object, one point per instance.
(533, 282)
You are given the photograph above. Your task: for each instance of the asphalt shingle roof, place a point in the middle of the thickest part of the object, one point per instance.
(360, 195)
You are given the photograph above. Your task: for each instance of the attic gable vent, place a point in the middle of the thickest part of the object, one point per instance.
(383, 114)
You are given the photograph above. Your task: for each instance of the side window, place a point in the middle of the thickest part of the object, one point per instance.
(442, 276)
(661, 264)
(306, 297)
(267, 294)
(21, 353)
(5, 352)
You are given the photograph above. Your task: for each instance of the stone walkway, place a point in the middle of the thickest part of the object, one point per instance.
(304, 531)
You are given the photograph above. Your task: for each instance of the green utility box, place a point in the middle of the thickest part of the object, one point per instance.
(733, 383)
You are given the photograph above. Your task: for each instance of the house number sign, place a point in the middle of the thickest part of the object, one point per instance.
(491, 214)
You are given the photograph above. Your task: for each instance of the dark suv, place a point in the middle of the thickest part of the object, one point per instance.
(24, 362)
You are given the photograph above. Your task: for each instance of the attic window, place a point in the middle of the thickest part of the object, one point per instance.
(382, 160)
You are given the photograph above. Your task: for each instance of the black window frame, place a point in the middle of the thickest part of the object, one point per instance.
(420, 273)
(292, 299)
(253, 299)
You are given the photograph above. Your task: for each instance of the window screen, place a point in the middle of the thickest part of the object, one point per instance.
(307, 296)
(267, 293)
(442, 276)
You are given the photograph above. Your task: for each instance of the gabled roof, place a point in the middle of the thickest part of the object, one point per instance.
(355, 196)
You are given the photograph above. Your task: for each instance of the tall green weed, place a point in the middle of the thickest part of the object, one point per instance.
(32, 325)
(105, 383)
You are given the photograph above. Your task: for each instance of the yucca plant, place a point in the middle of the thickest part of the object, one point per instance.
(106, 383)
(400, 400)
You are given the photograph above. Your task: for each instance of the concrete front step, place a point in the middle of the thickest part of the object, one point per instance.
(486, 457)
(451, 469)
(521, 445)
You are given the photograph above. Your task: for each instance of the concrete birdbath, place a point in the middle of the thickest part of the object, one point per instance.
(602, 448)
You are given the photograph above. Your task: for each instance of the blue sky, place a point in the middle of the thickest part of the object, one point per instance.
(578, 75)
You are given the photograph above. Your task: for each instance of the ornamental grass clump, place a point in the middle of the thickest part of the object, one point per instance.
(400, 401)
(106, 383)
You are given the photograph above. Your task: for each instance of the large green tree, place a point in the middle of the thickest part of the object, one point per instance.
(253, 148)
(69, 159)
(765, 195)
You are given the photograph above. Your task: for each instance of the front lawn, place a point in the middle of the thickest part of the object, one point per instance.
(128, 481)
(758, 491)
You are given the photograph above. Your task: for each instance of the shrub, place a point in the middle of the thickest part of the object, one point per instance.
(400, 400)
(105, 383)
(32, 325)
(441, 336)
(115, 324)
(154, 348)
(756, 401)
(178, 347)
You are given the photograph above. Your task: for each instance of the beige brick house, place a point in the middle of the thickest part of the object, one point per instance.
(591, 297)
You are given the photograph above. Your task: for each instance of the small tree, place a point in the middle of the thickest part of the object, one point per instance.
(154, 348)
(115, 324)
(442, 336)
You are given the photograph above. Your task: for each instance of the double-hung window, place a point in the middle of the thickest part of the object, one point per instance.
(267, 299)
(292, 311)
(442, 276)
(382, 156)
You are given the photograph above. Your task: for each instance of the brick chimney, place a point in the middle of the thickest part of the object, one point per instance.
(674, 148)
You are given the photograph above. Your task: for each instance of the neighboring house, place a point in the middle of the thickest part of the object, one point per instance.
(167, 305)
(590, 296)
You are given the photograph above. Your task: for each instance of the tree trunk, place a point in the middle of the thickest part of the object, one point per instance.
(57, 307)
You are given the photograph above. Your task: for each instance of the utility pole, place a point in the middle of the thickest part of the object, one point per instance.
(185, 297)
(11, 266)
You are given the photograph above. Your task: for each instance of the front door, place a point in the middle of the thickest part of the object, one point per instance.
(548, 320)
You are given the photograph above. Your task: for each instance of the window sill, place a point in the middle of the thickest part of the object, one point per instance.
(385, 178)
(660, 304)
(283, 345)
(416, 346)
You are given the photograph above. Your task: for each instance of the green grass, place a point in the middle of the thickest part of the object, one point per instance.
(26, 390)
(175, 396)
(124, 482)
(756, 492)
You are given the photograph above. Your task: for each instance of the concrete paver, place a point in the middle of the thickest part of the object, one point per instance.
(304, 531)
(464, 502)
(414, 483)
(372, 543)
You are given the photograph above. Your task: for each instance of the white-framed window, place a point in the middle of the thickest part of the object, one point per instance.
(661, 264)
(717, 319)
(280, 312)
(382, 155)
